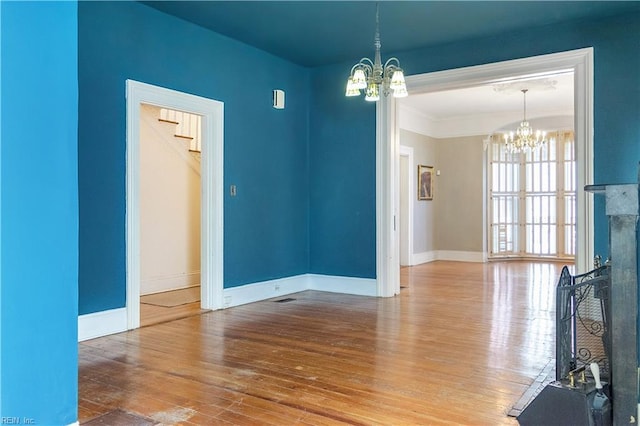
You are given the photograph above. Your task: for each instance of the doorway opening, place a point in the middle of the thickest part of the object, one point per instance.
(170, 187)
(579, 62)
(210, 259)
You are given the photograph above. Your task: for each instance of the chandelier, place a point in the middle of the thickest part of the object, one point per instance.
(373, 76)
(524, 139)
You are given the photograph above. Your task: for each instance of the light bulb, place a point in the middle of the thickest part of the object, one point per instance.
(359, 79)
(397, 80)
(373, 92)
(352, 90)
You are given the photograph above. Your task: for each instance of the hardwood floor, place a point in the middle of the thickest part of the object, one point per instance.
(153, 314)
(171, 305)
(458, 346)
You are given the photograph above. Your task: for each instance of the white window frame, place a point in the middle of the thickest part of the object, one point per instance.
(521, 189)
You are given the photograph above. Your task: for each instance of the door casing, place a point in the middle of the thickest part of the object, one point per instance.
(212, 191)
(579, 61)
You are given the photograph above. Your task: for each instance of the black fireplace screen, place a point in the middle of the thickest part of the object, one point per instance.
(582, 314)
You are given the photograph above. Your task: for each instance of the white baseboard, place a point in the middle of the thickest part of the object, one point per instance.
(424, 257)
(346, 285)
(102, 323)
(452, 255)
(249, 293)
(168, 283)
(74, 424)
(114, 321)
(461, 256)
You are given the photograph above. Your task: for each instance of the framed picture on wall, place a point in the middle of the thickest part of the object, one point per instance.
(425, 182)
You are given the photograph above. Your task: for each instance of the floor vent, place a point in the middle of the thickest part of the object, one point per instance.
(288, 299)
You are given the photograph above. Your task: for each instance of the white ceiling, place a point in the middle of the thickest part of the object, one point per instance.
(487, 108)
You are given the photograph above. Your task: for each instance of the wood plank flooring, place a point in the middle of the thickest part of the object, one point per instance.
(153, 314)
(458, 346)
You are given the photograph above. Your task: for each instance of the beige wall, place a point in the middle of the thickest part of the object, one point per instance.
(460, 194)
(169, 208)
(453, 220)
(424, 220)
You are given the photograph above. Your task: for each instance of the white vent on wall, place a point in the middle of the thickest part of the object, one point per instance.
(278, 99)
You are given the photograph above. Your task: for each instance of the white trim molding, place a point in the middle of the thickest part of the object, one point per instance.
(114, 321)
(424, 257)
(171, 282)
(451, 255)
(416, 121)
(387, 199)
(212, 190)
(387, 158)
(461, 256)
(256, 292)
(249, 293)
(102, 323)
(344, 285)
(406, 217)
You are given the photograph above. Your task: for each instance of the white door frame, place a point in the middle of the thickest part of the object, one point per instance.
(387, 199)
(579, 61)
(212, 191)
(407, 240)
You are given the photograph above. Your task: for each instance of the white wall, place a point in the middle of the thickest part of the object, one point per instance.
(169, 208)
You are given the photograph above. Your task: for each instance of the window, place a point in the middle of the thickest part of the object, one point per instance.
(532, 199)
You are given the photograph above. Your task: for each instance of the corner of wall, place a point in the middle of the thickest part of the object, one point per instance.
(104, 323)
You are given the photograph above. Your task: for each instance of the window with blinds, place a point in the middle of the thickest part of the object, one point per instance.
(532, 199)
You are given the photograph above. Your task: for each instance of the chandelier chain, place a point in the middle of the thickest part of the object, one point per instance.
(373, 76)
(524, 139)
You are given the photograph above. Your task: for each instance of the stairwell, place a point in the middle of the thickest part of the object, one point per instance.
(179, 130)
(188, 127)
(169, 199)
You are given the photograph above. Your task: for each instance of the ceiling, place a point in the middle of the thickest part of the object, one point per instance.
(316, 33)
(550, 95)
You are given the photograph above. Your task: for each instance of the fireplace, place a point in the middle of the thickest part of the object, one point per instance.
(596, 330)
(582, 328)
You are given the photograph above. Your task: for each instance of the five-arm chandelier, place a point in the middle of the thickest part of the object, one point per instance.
(372, 76)
(524, 139)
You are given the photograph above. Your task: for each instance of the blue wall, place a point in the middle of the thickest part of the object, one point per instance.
(342, 181)
(305, 175)
(273, 228)
(266, 228)
(341, 221)
(39, 224)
